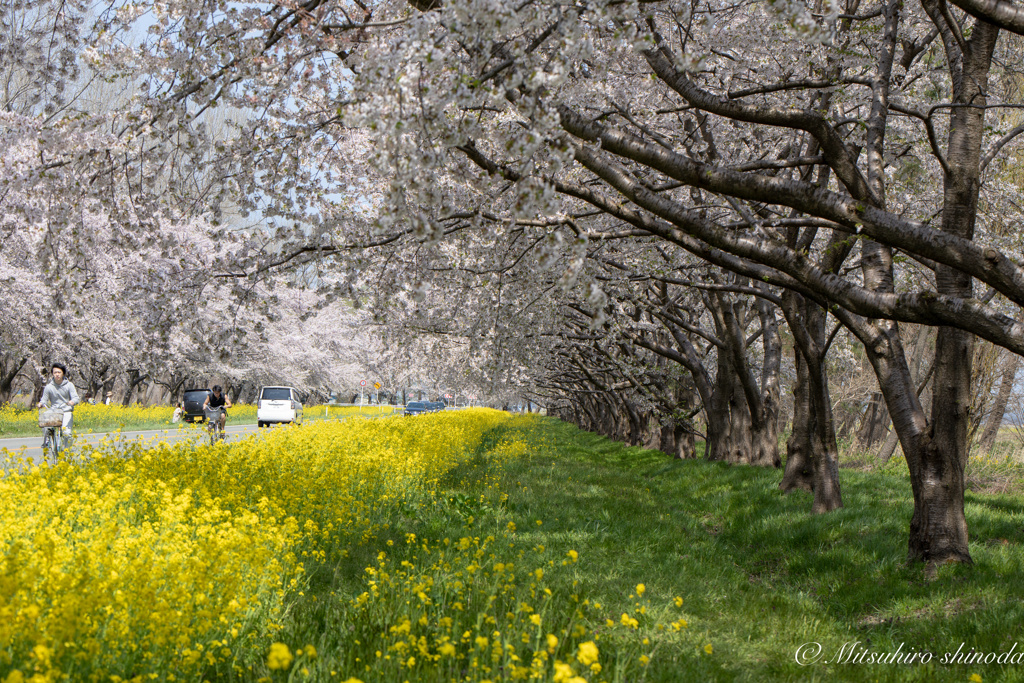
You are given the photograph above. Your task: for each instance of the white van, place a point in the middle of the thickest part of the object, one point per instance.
(278, 404)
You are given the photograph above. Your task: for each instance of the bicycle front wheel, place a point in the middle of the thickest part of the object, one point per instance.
(56, 437)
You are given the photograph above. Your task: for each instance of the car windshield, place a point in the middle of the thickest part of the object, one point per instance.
(195, 396)
(276, 394)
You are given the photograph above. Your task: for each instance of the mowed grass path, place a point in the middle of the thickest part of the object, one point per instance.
(759, 575)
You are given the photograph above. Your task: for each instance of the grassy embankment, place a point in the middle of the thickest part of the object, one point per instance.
(16, 422)
(537, 549)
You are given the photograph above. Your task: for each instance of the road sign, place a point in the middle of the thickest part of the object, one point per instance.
(376, 385)
(447, 395)
(362, 382)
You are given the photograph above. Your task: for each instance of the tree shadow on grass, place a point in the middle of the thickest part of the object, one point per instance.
(742, 553)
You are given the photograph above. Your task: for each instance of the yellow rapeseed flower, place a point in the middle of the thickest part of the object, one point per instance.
(640, 588)
(209, 542)
(708, 648)
(280, 657)
(588, 653)
(563, 672)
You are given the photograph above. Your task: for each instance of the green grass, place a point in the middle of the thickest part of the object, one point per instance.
(759, 575)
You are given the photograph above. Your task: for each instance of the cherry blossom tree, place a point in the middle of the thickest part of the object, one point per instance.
(435, 161)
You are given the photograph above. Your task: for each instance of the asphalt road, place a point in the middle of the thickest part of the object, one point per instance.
(31, 447)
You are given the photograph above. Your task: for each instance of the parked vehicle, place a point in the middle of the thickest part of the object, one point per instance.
(278, 404)
(192, 408)
(418, 407)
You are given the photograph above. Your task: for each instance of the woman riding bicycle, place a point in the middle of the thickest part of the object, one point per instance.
(218, 400)
(60, 393)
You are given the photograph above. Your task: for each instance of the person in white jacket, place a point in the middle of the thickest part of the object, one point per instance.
(60, 393)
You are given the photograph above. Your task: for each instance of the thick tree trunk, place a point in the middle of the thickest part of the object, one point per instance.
(743, 418)
(677, 441)
(938, 529)
(235, 390)
(135, 378)
(729, 425)
(771, 368)
(8, 371)
(827, 494)
(817, 438)
(634, 424)
(38, 384)
(799, 474)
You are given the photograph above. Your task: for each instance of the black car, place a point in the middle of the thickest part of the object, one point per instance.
(418, 407)
(193, 406)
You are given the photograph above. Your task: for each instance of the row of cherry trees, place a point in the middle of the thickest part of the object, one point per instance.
(625, 209)
(670, 182)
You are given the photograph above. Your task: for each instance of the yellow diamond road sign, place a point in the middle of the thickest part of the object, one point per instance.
(376, 385)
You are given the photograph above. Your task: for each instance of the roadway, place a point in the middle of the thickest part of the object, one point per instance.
(32, 446)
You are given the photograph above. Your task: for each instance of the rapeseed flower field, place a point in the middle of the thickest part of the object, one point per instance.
(192, 562)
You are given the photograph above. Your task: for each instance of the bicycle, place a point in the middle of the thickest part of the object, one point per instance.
(52, 423)
(213, 424)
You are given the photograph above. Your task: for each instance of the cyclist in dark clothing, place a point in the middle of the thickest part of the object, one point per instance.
(218, 400)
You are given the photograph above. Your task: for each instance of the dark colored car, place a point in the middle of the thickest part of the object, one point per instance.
(417, 407)
(193, 406)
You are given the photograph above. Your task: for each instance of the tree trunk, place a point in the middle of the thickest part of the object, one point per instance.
(677, 441)
(799, 474)
(938, 529)
(876, 418)
(995, 419)
(135, 378)
(8, 371)
(817, 437)
(771, 368)
(888, 448)
(743, 420)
